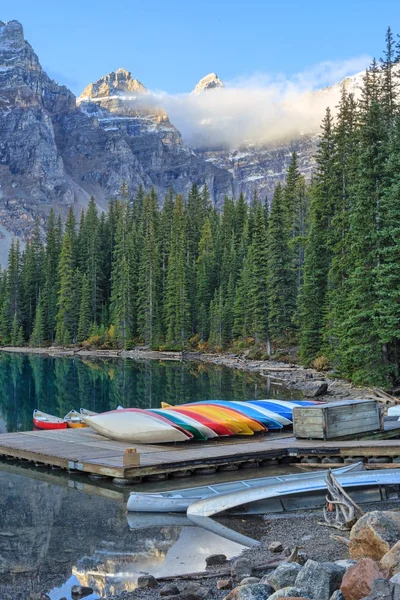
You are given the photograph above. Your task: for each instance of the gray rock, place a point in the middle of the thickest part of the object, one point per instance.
(250, 580)
(224, 584)
(170, 589)
(38, 596)
(241, 568)
(80, 591)
(146, 581)
(395, 578)
(194, 591)
(320, 579)
(337, 595)
(283, 576)
(215, 559)
(382, 589)
(257, 591)
(314, 389)
(346, 563)
(290, 592)
(275, 547)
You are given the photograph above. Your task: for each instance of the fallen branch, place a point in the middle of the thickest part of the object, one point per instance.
(225, 571)
(341, 538)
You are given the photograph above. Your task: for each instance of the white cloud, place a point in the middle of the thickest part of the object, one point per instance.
(258, 108)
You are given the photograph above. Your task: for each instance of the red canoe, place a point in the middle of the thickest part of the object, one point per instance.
(219, 428)
(42, 420)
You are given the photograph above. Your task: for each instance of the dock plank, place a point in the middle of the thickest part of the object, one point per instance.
(87, 451)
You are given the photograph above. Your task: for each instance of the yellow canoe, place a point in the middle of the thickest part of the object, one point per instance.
(220, 415)
(74, 420)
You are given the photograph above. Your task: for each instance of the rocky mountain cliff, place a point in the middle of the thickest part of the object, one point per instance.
(56, 150)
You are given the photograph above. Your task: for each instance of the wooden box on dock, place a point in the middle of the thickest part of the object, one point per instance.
(332, 420)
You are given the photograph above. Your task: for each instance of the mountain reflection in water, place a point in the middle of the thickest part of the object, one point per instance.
(53, 536)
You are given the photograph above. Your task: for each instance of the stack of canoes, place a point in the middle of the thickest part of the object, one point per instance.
(198, 420)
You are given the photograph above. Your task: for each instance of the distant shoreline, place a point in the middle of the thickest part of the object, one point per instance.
(292, 376)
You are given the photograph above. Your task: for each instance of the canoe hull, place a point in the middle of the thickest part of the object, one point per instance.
(131, 426)
(180, 500)
(47, 422)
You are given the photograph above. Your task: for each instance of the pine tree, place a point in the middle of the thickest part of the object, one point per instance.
(313, 296)
(205, 269)
(258, 294)
(85, 312)
(387, 270)
(360, 351)
(281, 281)
(50, 275)
(389, 83)
(39, 328)
(148, 295)
(64, 317)
(177, 302)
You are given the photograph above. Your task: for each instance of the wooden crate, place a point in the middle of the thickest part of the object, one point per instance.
(336, 419)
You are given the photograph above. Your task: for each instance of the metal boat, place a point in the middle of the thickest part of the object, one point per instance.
(257, 499)
(180, 500)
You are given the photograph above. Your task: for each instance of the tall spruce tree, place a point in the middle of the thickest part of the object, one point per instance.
(176, 301)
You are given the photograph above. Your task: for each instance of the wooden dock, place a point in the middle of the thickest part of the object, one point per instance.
(82, 450)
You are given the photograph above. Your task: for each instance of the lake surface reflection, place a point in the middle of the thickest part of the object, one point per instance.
(56, 385)
(54, 536)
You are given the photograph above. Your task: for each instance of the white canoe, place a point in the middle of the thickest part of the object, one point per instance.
(245, 500)
(179, 500)
(136, 427)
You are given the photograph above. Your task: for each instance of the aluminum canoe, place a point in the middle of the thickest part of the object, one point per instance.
(180, 500)
(255, 500)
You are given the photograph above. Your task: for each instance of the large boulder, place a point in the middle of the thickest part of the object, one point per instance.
(374, 534)
(320, 579)
(391, 560)
(358, 580)
(283, 576)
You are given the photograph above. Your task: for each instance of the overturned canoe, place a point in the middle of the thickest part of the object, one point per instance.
(256, 499)
(180, 500)
(135, 426)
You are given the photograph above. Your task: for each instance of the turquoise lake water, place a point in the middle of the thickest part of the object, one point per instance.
(57, 385)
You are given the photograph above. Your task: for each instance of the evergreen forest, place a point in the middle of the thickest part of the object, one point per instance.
(317, 266)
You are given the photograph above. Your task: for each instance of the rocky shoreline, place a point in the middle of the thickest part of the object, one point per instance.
(308, 382)
(320, 566)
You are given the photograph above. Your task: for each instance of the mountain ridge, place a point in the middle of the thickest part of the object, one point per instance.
(57, 150)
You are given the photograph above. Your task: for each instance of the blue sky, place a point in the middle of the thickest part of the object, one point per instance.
(171, 45)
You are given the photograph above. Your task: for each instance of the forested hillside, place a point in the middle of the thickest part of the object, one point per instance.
(318, 265)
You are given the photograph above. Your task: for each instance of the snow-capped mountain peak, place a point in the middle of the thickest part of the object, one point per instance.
(209, 82)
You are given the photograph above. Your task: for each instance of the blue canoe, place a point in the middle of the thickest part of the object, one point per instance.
(269, 419)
